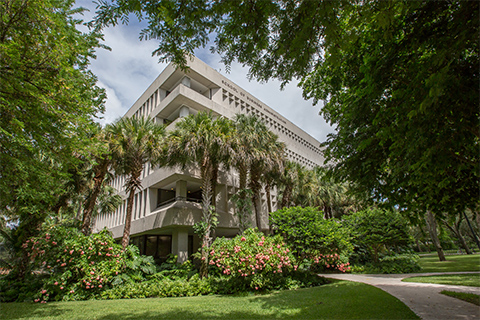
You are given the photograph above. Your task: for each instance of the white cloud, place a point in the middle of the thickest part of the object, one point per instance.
(127, 71)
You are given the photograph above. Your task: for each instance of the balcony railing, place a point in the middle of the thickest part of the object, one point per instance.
(179, 198)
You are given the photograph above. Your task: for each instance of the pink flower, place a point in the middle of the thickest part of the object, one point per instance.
(71, 251)
(43, 291)
(54, 243)
(63, 264)
(243, 239)
(61, 288)
(55, 283)
(91, 272)
(99, 253)
(71, 291)
(36, 300)
(82, 252)
(99, 285)
(43, 301)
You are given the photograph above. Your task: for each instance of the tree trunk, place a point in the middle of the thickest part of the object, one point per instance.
(100, 172)
(269, 197)
(286, 196)
(471, 229)
(432, 229)
(128, 219)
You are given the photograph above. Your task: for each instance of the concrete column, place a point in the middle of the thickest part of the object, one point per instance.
(184, 111)
(180, 244)
(181, 188)
(186, 81)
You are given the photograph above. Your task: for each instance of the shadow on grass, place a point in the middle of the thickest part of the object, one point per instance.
(338, 300)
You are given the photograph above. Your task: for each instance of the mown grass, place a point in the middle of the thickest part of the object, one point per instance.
(470, 279)
(454, 263)
(469, 297)
(337, 300)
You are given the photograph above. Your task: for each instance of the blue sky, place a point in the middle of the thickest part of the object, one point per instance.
(129, 68)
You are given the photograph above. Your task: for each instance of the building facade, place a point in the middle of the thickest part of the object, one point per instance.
(168, 205)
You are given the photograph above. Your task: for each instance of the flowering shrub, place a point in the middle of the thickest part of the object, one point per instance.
(252, 260)
(77, 267)
(327, 262)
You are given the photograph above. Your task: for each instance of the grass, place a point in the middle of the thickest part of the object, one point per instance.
(454, 263)
(469, 297)
(337, 300)
(470, 279)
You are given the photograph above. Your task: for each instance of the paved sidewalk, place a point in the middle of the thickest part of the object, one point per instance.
(422, 298)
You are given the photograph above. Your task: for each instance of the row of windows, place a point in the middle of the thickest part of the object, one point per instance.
(244, 107)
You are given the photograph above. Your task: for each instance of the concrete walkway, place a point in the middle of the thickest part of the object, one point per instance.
(422, 298)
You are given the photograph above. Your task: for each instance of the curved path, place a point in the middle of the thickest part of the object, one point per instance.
(422, 298)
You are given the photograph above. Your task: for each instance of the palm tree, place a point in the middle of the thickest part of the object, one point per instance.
(134, 143)
(288, 181)
(205, 142)
(269, 158)
(99, 170)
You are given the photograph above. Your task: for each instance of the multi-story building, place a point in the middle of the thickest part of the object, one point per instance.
(167, 207)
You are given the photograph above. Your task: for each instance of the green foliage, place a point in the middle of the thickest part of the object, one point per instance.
(399, 81)
(403, 263)
(72, 266)
(48, 100)
(252, 260)
(375, 231)
(309, 235)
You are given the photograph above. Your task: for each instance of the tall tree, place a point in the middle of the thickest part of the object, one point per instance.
(399, 81)
(269, 158)
(205, 142)
(102, 161)
(134, 143)
(48, 100)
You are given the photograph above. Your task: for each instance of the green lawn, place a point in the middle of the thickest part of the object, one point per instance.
(470, 279)
(337, 300)
(469, 297)
(454, 263)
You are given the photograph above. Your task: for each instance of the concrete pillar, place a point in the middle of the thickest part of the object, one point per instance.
(152, 200)
(180, 244)
(181, 189)
(184, 111)
(186, 81)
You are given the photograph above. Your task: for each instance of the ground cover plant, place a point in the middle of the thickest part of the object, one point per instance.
(454, 263)
(469, 297)
(338, 300)
(471, 279)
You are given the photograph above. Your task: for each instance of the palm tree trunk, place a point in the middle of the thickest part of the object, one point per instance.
(100, 172)
(286, 195)
(269, 197)
(128, 219)
(432, 229)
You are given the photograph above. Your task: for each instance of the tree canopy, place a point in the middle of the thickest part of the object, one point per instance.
(48, 100)
(399, 80)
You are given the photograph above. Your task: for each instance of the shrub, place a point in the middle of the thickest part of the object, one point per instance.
(318, 244)
(72, 266)
(252, 260)
(376, 231)
(404, 263)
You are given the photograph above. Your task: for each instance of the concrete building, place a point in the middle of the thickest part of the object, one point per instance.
(168, 205)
